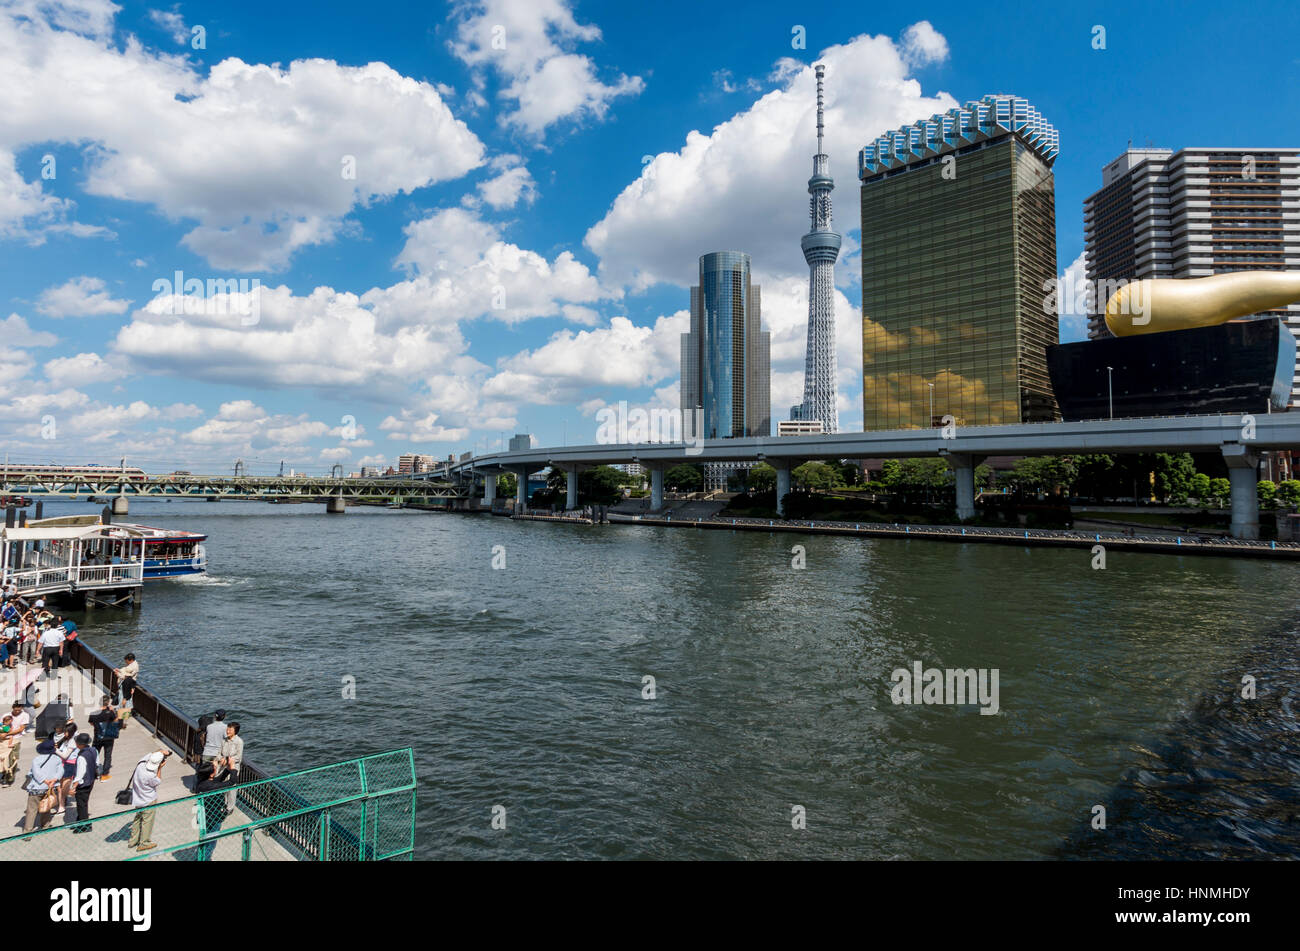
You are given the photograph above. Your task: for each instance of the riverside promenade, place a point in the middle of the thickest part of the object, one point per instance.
(111, 823)
(1188, 544)
(357, 810)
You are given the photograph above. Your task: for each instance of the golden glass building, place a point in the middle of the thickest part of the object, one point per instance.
(958, 268)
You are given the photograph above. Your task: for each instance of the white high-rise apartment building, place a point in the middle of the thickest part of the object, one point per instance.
(1193, 213)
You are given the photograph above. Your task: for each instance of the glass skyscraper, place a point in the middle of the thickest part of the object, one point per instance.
(726, 356)
(958, 262)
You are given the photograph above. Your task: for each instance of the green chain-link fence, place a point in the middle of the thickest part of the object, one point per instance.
(359, 810)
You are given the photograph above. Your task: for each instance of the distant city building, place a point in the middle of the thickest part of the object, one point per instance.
(522, 441)
(821, 246)
(1193, 213)
(632, 468)
(726, 355)
(371, 472)
(958, 260)
(412, 463)
(799, 427)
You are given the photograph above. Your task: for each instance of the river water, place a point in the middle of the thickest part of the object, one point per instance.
(523, 686)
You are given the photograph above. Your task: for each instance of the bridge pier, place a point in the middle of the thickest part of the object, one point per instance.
(120, 506)
(963, 468)
(336, 505)
(521, 489)
(656, 488)
(489, 489)
(782, 483)
(571, 486)
(1243, 475)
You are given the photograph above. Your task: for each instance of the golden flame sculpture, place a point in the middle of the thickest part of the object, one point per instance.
(1154, 305)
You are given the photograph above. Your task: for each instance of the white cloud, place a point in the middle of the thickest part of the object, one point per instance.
(529, 44)
(622, 355)
(423, 429)
(149, 119)
(472, 273)
(512, 184)
(28, 212)
(15, 332)
(1071, 304)
(923, 44)
(81, 370)
(80, 297)
(377, 345)
(173, 24)
(743, 186)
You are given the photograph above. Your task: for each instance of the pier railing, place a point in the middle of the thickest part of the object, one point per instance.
(359, 810)
(76, 577)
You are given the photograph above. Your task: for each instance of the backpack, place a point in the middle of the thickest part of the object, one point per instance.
(111, 729)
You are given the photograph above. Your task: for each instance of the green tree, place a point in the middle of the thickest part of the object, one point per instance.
(1174, 474)
(684, 477)
(602, 485)
(891, 473)
(926, 474)
(762, 478)
(1200, 489)
(1220, 491)
(1288, 492)
(815, 475)
(507, 484)
(1267, 492)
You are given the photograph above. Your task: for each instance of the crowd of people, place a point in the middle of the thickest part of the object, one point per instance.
(69, 761)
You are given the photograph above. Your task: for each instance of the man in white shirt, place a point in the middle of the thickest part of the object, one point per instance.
(144, 790)
(127, 675)
(231, 758)
(18, 723)
(51, 648)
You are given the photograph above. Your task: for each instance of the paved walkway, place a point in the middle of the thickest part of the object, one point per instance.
(108, 837)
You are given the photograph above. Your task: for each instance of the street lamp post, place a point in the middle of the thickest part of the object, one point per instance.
(1110, 392)
(931, 386)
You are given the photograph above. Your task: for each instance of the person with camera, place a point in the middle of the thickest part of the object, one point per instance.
(107, 730)
(46, 771)
(144, 791)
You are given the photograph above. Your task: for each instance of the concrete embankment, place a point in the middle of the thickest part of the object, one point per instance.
(1177, 545)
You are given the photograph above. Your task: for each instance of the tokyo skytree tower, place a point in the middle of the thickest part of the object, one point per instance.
(821, 246)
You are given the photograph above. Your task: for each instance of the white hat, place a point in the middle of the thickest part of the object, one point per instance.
(153, 762)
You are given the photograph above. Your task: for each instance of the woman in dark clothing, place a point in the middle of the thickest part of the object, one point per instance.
(214, 807)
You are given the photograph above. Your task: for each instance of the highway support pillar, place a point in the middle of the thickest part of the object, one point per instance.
(489, 489)
(657, 488)
(571, 488)
(782, 483)
(521, 490)
(963, 468)
(335, 505)
(1243, 475)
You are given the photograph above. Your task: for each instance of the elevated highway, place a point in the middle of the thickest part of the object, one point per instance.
(1239, 439)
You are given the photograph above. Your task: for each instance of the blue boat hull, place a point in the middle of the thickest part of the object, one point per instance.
(172, 568)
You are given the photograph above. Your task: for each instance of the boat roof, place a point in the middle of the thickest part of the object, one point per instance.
(65, 532)
(90, 521)
(161, 533)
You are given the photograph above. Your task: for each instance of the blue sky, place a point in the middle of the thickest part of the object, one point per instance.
(532, 184)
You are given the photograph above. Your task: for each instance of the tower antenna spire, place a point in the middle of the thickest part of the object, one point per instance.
(821, 73)
(821, 246)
